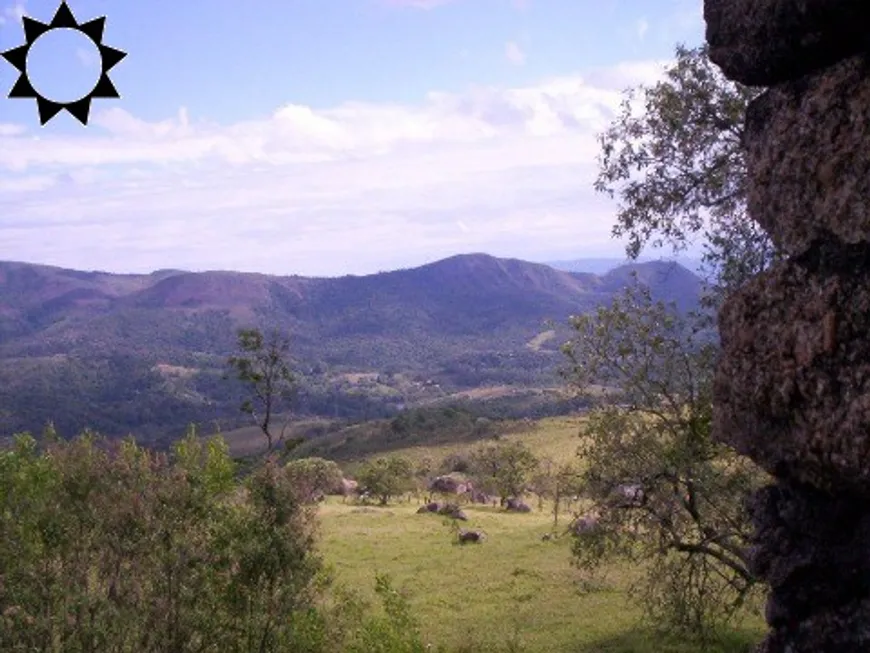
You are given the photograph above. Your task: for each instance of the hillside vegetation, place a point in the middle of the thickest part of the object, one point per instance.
(147, 353)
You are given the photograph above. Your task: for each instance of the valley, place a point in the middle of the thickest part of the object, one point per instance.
(146, 353)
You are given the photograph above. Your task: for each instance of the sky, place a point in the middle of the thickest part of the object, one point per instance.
(323, 137)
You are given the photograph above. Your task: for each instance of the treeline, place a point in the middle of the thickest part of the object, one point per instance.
(419, 426)
(120, 394)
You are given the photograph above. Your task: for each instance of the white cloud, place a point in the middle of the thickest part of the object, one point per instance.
(7, 129)
(641, 28)
(514, 53)
(355, 188)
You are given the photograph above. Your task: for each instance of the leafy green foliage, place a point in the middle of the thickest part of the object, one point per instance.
(396, 631)
(313, 477)
(386, 477)
(113, 395)
(558, 484)
(662, 490)
(503, 467)
(110, 547)
(673, 158)
(263, 365)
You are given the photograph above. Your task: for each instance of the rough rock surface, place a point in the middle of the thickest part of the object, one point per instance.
(474, 537)
(807, 174)
(812, 549)
(446, 509)
(450, 484)
(514, 504)
(767, 42)
(793, 385)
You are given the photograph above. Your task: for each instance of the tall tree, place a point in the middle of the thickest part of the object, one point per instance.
(666, 493)
(504, 467)
(386, 477)
(673, 160)
(263, 365)
(668, 497)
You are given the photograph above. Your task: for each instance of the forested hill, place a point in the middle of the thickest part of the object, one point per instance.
(145, 352)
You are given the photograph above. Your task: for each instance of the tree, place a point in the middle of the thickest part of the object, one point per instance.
(504, 467)
(109, 546)
(263, 366)
(666, 494)
(555, 482)
(673, 159)
(313, 477)
(386, 477)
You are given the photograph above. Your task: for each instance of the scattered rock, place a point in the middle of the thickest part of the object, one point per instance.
(445, 509)
(449, 484)
(477, 496)
(474, 537)
(628, 495)
(584, 525)
(454, 511)
(516, 505)
(348, 487)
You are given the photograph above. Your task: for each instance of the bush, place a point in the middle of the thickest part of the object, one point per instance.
(112, 547)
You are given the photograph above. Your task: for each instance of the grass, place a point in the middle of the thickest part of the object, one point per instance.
(556, 438)
(514, 591)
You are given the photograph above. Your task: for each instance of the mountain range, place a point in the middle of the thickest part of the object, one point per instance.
(121, 352)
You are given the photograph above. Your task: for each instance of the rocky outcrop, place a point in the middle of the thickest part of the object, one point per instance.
(811, 546)
(451, 510)
(471, 537)
(348, 487)
(513, 504)
(767, 42)
(450, 484)
(808, 178)
(792, 389)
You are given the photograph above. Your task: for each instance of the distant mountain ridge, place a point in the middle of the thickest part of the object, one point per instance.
(464, 321)
(602, 266)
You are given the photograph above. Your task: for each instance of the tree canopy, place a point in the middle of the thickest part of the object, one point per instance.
(673, 160)
(665, 494)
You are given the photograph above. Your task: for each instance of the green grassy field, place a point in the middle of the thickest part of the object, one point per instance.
(556, 438)
(514, 589)
(512, 592)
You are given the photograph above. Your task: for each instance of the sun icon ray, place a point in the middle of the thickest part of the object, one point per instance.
(109, 57)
